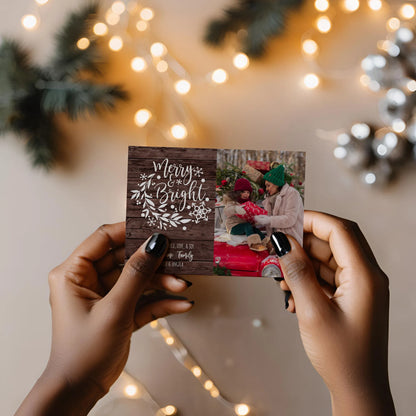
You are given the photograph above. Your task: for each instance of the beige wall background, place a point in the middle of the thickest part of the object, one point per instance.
(44, 216)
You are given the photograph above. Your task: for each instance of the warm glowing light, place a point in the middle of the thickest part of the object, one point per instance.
(323, 24)
(169, 410)
(83, 43)
(219, 76)
(351, 5)
(138, 64)
(208, 385)
(321, 5)
(100, 29)
(241, 409)
(131, 390)
(141, 26)
(393, 24)
(112, 18)
(29, 21)
(241, 61)
(196, 371)
(407, 11)
(365, 80)
(158, 49)
(164, 332)
(214, 393)
(311, 81)
(375, 4)
(182, 86)
(118, 7)
(162, 66)
(154, 323)
(309, 46)
(41, 2)
(370, 178)
(170, 340)
(178, 131)
(147, 14)
(141, 118)
(411, 85)
(398, 125)
(115, 43)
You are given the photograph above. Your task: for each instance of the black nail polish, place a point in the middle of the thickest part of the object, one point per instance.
(280, 243)
(278, 279)
(287, 296)
(188, 283)
(192, 302)
(156, 245)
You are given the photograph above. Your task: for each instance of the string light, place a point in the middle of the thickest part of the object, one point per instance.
(115, 43)
(141, 26)
(29, 21)
(375, 4)
(138, 64)
(162, 66)
(100, 29)
(142, 117)
(169, 410)
(183, 356)
(351, 5)
(112, 18)
(83, 43)
(158, 49)
(393, 24)
(309, 46)
(323, 24)
(219, 76)
(241, 409)
(41, 2)
(118, 7)
(178, 131)
(131, 390)
(147, 14)
(407, 11)
(321, 5)
(311, 81)
(241, 61)
(182, 86)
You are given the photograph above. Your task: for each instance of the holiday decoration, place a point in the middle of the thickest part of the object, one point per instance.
(251, 211)
(377, 153)
(254, 22)
(31, 96)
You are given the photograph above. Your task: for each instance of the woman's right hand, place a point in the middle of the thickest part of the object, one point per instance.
(341, 298)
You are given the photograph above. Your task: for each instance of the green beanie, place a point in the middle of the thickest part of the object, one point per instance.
(276, 176)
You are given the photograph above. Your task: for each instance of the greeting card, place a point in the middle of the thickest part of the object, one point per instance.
(217, 217)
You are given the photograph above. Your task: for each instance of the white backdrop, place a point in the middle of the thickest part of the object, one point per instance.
(44, 216)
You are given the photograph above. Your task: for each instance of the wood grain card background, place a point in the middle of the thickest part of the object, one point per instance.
(172, 191)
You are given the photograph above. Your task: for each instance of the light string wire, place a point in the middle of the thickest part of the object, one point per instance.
(323, 24)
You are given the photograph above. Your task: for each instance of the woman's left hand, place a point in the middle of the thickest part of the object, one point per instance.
(95, 308)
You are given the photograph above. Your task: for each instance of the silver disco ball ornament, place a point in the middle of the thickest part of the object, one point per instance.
(396, 105)
(378, 175)
(383, 71)
(390, 146)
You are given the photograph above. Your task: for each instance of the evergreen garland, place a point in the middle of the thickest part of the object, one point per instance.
(261, 19)
(31, 96)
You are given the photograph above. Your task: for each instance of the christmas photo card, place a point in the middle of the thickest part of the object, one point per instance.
(218, 207)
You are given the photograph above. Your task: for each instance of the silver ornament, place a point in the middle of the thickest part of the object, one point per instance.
(378, 175)
(390, 145)
(396, 105)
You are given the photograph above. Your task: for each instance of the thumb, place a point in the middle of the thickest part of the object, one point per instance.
(299, 274)
(138, 271)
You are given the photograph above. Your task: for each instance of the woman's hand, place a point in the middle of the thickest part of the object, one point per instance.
(95, 308)
(341, 299)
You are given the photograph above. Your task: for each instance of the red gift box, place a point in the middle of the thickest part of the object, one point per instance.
(251, 210)
(259, 165)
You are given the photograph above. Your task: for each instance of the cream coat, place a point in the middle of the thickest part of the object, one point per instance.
(286, 211)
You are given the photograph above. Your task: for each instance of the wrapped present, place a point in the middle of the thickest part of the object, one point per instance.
(251, 210)
(259, 165)
(253, 174)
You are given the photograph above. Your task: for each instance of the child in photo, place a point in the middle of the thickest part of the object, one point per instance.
(239, 226)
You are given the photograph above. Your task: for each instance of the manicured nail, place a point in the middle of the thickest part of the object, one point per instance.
(287, 296)
(188, 283)
(280, 243)
(278, 279)
(157, 245)
(192, 302)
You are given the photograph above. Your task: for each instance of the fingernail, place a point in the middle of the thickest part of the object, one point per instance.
(278, 279)
(287, 296)
(188, 283)
(280, 243)
(156, 245)
(192, 302)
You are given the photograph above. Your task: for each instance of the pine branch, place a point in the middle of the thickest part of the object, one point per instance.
(69, 59)
(78, 98)
(262, 20)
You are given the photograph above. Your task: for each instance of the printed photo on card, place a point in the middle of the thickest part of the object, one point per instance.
(218, 207)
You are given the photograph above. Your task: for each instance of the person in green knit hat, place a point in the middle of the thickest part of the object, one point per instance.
(283, 204)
